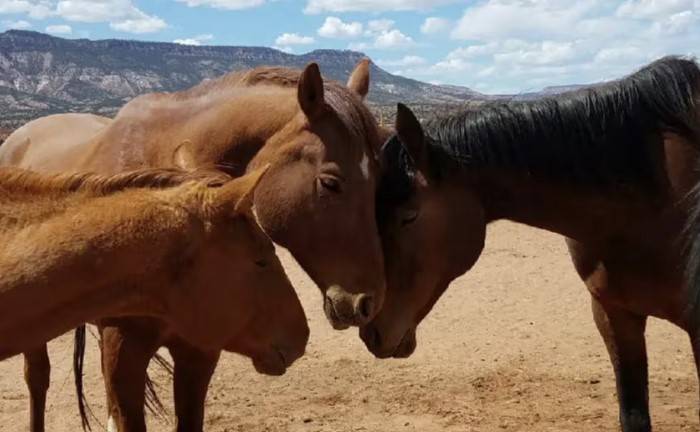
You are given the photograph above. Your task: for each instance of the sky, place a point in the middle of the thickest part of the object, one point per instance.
(493, 46)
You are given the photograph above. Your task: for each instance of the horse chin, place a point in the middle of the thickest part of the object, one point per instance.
(374, 343)
(272, 363)
(407, 346)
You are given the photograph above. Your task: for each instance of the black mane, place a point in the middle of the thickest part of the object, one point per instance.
(602, 135)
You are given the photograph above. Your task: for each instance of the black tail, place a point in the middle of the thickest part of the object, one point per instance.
(153, 402)
(78, 367)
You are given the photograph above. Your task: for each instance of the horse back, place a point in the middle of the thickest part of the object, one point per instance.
(53, 143)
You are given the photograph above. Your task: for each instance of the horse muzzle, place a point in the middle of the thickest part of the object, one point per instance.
(344, 309)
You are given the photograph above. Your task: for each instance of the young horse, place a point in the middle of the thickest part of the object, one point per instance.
(77, 248)
(609, 167)
(322, 142)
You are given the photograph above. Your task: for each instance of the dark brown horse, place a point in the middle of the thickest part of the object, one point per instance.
(317, 200)
(611, 167)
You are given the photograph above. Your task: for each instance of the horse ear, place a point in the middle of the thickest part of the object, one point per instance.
(236, 196)
(359, 79)
(410, 132)
(183, 157)
(248, 184)
(310, 92)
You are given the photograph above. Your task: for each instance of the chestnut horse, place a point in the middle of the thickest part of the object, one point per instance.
(317, 200)
(610, 167)
(80, 247)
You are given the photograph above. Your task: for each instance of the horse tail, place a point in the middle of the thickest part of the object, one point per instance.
(78, 367)
(153, 402)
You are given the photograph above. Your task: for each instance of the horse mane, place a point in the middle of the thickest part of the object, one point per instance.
(277, 76)
(601, 135)
(20, 181)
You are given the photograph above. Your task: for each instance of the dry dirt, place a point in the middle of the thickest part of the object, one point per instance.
(510, 347)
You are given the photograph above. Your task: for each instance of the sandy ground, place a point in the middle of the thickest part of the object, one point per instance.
(510, 347)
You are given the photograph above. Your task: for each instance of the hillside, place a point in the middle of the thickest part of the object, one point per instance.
(42, 74)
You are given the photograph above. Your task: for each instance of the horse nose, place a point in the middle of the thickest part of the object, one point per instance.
(344, 309)
(364, 308)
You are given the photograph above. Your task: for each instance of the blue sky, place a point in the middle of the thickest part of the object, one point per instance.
(494, 46)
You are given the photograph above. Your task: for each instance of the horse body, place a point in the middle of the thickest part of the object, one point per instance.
(90, 247)
(322, 142)
(610, 167)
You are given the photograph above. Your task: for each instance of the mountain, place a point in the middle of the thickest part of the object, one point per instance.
(42, 74)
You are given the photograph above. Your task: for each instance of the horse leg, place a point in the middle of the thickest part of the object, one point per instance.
(193, 372)
(695, 342)
(623, 334)
(126, 352)
(37, 374)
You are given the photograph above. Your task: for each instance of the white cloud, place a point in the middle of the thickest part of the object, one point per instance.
(393, 39)
(678, 23)
(375, 27)
(653, 8)
(38, 9)
(92, 11)
(473, 51)
(320, 6)
(121, 15)
(406, 61)
(225, 4)
(287, 39)
(538, 53)
(195, 40)
(16, 25)
(510, 46)
(433, 25)
(335, 28)
(60, 29)
(384, 36)
(621, 55)
(526, 19)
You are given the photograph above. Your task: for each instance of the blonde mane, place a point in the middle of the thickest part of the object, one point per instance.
(277, 76)
(23, 182)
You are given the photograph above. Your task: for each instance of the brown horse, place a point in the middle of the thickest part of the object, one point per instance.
(317, 200)
(609, 167)
(80, 247)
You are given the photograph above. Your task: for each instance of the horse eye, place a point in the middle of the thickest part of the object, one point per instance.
(330, 183)
(409, 217)
(261, 263)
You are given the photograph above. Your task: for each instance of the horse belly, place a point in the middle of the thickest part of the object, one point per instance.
(642, 286)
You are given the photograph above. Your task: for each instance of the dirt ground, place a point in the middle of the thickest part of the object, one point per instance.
(510, 347)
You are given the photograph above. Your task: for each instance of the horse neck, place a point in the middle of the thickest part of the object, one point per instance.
(584, 214)
(548, 168)
(227, 128)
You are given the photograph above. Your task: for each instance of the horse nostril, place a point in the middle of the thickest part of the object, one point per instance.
(364, 308)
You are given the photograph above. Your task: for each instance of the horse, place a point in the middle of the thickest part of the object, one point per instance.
(183, 248)
(316, 200)
(612, 167)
